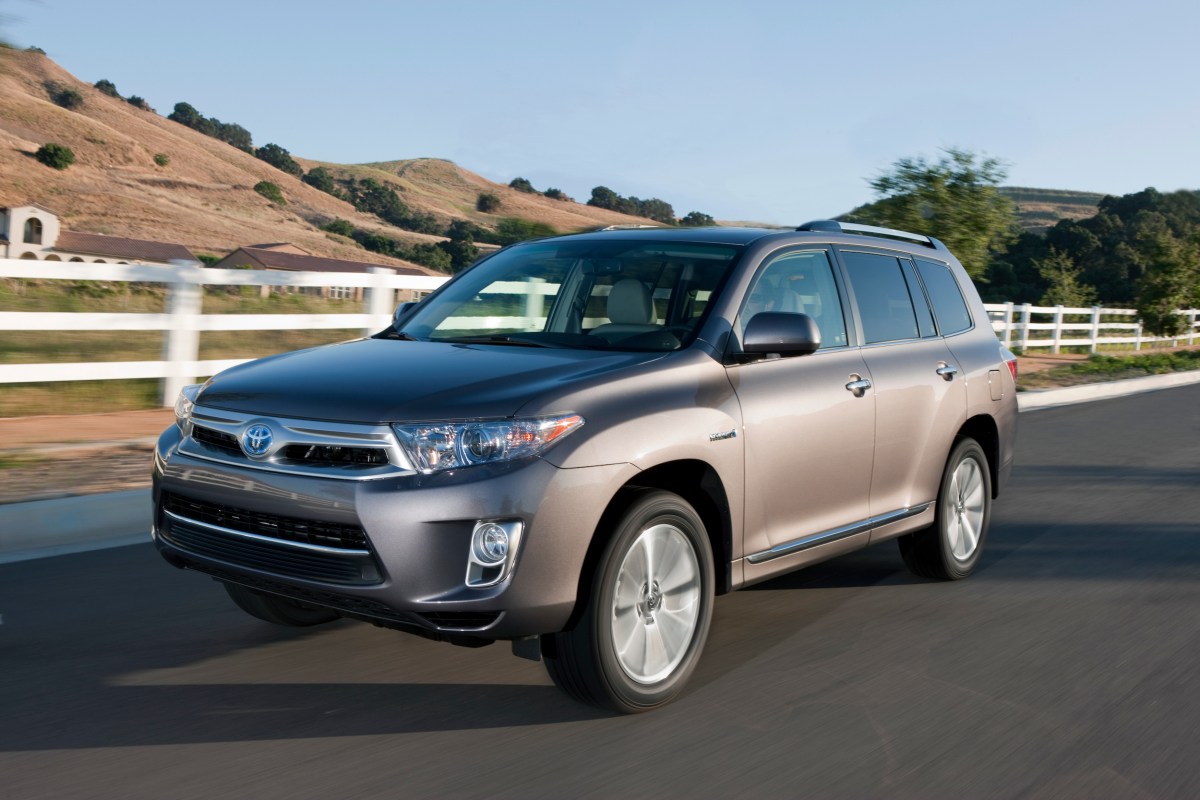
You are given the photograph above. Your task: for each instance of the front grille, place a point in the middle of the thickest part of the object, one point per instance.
(268, 556)
(291, 529)
(334, 455)
(218, 439)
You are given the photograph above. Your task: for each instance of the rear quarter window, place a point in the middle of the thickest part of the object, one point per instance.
(949, 307)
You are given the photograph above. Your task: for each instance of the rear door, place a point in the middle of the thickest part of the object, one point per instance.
(920, 393)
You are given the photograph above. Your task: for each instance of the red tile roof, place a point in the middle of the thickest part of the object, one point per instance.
(97, 244)
(293, 262)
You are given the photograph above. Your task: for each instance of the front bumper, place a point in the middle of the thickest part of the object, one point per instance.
(408, 570)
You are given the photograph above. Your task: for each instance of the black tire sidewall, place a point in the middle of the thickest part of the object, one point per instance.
(650, 509)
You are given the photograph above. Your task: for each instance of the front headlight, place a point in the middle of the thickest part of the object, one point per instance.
(433, 447)
(184, 405)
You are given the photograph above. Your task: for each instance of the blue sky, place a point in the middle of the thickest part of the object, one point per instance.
(772, 111)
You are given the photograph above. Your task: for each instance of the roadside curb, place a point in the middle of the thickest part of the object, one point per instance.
(1087, 392)
(41, 528)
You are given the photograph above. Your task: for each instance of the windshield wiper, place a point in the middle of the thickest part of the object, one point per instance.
(496, 338)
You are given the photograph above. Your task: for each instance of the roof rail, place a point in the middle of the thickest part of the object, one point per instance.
(834, 226)
(630, 226)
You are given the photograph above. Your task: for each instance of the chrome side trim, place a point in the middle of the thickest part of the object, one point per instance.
(834, 534)
(337, 551)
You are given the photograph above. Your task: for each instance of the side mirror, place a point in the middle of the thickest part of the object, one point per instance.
(403, 309)
(781, 333)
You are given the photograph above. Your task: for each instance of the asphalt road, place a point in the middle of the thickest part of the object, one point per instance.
(1068, 666)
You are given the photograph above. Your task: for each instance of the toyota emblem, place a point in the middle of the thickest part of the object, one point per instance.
(256, 441)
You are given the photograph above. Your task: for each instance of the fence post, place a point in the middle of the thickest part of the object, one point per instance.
(1058, 321)
(181, 345)
(1025, 316)
(1008, 323)
(1137, 345)
(381, 299)
(1191, 326)
(1095, 337)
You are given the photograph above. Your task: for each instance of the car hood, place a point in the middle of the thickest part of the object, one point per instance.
(386, 380)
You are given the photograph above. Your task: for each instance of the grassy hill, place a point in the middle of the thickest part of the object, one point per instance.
(204, 198)
(1039, 209)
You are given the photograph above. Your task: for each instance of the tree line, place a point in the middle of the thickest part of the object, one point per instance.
(1140, 249)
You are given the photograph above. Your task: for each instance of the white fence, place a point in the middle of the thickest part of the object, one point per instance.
(184, 321)
(1022, 326)
(1028, 327)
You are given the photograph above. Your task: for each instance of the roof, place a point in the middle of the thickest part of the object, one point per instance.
(287, 247)
(294, 262)
(97, 244)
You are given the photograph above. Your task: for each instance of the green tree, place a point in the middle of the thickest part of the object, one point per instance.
(955, 198)
(279, 158)
(1062, 275)
(372, 197)
(234, 134)
(107, 87)
(514, 229)
(322, 179)
(461, 245)
(138, 102)
(271, 192)
(55, 155)
(696, 219)
(657, 210)
(522, 185)
(487, 202)
(604, 197)
(1171, 281)
(556, 194)
(185, 114)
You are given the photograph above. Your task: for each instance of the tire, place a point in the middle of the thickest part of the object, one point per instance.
(950, 548)
(278, 610)
(648, 610)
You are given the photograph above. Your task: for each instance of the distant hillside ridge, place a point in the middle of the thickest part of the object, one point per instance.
(140, 175)
(1039, 209)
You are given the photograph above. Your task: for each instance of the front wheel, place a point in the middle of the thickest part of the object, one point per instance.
(648, 611)
(950, 548)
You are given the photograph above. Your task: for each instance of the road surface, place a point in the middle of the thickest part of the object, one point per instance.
(1068, 666)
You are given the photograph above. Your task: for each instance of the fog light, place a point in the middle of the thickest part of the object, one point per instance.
(494, 546)
(490, 543)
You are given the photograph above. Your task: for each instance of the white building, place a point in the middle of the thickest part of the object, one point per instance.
(33, 232)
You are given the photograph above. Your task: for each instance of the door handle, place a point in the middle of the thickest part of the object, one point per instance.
(947, 371)
(858, 385)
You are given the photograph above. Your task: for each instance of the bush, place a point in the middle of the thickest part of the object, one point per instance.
(696, 219)
(556, 194)
(279, 158)
(322, 179)
(38, 50)
(512, 229)
(271, 192)
(487, 202)
(162, 159)
(522, 185)
(65, 96)
(107, 87)
(138, 102)
(55, 155)
(339, 226)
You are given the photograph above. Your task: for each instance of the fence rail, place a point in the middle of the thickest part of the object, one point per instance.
(1029, 327)
(1023, 326)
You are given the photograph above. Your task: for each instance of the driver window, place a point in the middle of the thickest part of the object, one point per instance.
(799, 283)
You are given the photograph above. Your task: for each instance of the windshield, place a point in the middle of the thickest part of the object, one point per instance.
(594, 294)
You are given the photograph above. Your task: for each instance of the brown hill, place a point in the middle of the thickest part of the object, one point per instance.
(204, 197)
(1040, 209)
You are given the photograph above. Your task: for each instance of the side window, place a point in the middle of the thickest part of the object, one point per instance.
(799, 282)
(920, 304)
(948, 304)
(881, 294)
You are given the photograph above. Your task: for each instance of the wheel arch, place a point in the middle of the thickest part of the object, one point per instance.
(982, 428)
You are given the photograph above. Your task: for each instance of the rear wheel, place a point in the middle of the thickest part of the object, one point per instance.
(648, 611)
(950, 548)
(278, 610)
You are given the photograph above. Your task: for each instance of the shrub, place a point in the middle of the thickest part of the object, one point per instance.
(339, 226)
(322, 179)
(556, 194)
(487, 202)
(513, 229)
(138, 102)
(38, 50)
(279, 158)
(162, 159)
(271, 192)
(65, 96)
(696, 219)
(55, 155)
(522, 185)
(107, 87)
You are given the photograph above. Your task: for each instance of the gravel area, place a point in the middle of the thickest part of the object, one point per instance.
(61, 473)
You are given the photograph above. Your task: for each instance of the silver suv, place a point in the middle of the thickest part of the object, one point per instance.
(579, 442)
